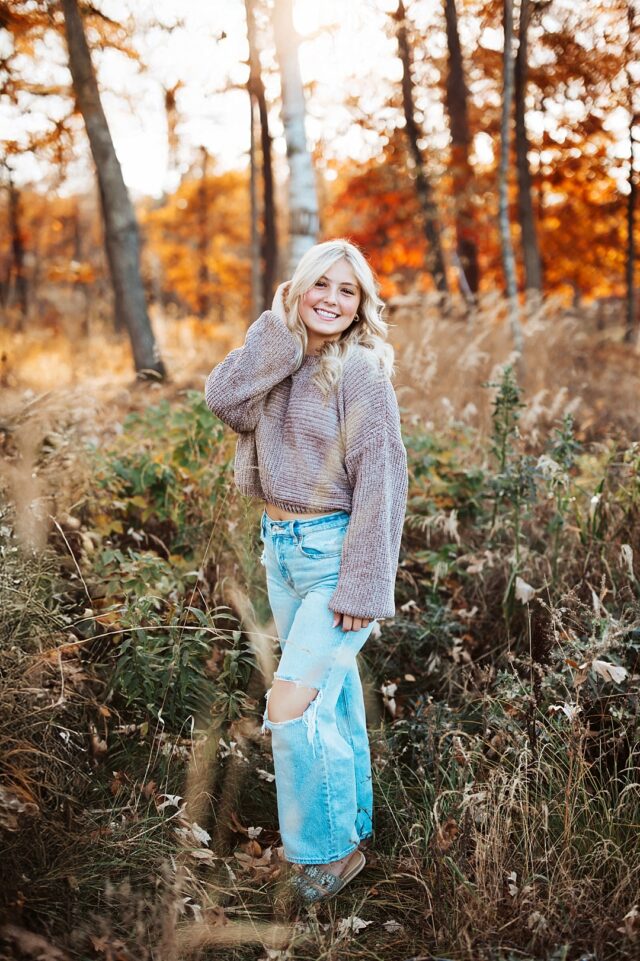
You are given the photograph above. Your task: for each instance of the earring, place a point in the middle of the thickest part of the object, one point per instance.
(356, 318)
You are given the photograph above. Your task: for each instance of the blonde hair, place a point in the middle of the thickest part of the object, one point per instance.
(368, 330)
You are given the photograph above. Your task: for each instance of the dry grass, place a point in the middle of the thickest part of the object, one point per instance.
(45, 359)
(568, 365)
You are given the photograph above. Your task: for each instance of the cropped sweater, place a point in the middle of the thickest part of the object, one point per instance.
(304, 455)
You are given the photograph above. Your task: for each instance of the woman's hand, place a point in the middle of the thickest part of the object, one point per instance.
(279, 299)
(350, 623)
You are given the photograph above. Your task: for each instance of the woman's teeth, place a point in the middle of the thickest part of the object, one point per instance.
(325, 314)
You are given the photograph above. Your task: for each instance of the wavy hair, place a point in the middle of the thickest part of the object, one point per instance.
(368, 329)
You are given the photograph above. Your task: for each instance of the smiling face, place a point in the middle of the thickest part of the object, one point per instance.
(330, 305)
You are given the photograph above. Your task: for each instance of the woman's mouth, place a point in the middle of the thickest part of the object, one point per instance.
(326, 314)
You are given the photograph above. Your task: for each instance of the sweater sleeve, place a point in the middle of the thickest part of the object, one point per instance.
(376, 464)
(235, 390)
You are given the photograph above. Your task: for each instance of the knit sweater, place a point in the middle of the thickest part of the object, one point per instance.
(304, 455)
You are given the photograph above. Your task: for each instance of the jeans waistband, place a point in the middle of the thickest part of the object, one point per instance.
(296, 526)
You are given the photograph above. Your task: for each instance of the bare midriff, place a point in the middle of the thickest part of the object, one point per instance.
(277, 514)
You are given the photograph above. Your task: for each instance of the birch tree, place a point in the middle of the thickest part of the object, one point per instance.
(303, 197)
(508, 258)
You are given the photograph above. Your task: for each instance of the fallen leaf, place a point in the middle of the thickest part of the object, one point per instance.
(351, 925)
(149, 789)
(117, 783)
(194, 907)
(446, 834)
(610, 672)
(570, 710)
(265, 775)
(202, 836)
(12, 803)
(251, 847)
(536, 922)
(524, 592)
(631, 923)
(202, 854)
(99, 746)
(626, 556)
(389, 701)
(171, 800)
(236, 824)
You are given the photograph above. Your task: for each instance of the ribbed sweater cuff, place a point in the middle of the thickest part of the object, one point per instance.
(363, 598)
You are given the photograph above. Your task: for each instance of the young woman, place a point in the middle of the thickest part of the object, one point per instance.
(311, 399)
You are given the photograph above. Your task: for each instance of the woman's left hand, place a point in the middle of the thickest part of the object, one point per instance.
(279, 298)
(350, 623)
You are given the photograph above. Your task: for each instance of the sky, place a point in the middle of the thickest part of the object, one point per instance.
(343, 49)
(345, 52)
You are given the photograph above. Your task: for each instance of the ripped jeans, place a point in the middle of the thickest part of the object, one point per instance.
(321, 759)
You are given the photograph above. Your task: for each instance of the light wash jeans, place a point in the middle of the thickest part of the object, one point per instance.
(321, 759)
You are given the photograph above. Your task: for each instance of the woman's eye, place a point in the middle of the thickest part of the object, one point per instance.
(321, 283)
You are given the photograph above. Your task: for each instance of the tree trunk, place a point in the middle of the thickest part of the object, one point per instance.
(461, 171)
(303, 199)
(171, 113)
(508, 259)
(270, 250)
(120, 226)
(82, 288)
(256, 295)
(424, 190)
(634, 119)
(202, 220)
(268, 236)
(530, 246)
(17, 249)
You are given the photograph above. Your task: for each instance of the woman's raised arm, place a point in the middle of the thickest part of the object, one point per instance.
(235, 390)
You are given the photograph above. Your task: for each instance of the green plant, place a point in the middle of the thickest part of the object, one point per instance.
(162, 479)
(163, 643)
(230, 700)
(555, 467)
(512, 488)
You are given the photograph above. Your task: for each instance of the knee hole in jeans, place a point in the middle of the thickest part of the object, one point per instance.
(288, 706)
